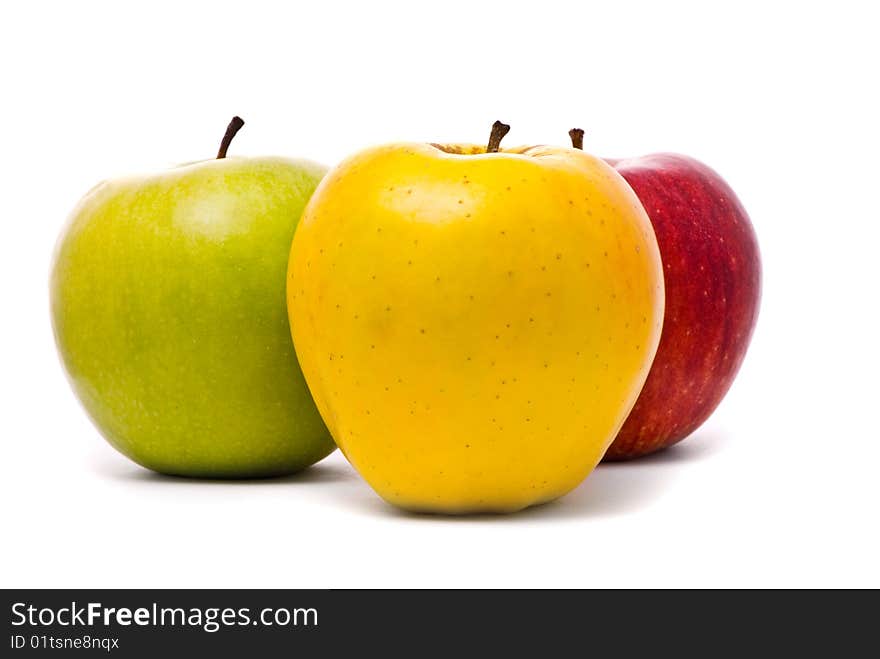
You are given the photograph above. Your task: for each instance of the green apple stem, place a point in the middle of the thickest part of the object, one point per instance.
(233, 127)
(499, 130)
(577, 138)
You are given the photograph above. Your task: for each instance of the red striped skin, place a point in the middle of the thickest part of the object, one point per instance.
(712, 272)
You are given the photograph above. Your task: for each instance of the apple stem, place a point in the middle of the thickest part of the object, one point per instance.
(499, 130)
(233, 127)
(577, 138)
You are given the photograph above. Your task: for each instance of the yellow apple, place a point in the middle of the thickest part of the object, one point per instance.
(474, 325)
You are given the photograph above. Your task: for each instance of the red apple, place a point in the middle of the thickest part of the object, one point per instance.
(712, 271)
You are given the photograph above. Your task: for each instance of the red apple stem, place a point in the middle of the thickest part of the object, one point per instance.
(233, 128)
(577, 138)
(499, 130)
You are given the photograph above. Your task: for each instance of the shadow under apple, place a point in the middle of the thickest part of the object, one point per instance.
(614, 488)
(326, 471)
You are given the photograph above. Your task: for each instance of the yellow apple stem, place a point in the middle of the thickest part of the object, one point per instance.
(499, 130)
(233, 127)
(577, 138)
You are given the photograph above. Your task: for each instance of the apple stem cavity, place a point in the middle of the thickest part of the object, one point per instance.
(231, 130)
(577, 138)
(499, 130)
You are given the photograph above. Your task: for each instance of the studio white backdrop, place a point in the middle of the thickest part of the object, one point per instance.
(780, 486)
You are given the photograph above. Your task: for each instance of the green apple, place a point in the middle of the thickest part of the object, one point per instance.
(169, 312)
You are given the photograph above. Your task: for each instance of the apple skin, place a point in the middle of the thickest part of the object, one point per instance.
(474, 327)
(168, 308)
(712, 273)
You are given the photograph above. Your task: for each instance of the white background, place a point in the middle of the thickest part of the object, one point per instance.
(779, 488)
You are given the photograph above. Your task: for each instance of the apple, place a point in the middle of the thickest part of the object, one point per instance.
(168, 308)
(712, 272)
(474, 323)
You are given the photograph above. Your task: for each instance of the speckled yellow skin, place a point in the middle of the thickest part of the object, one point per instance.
(474, 327)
